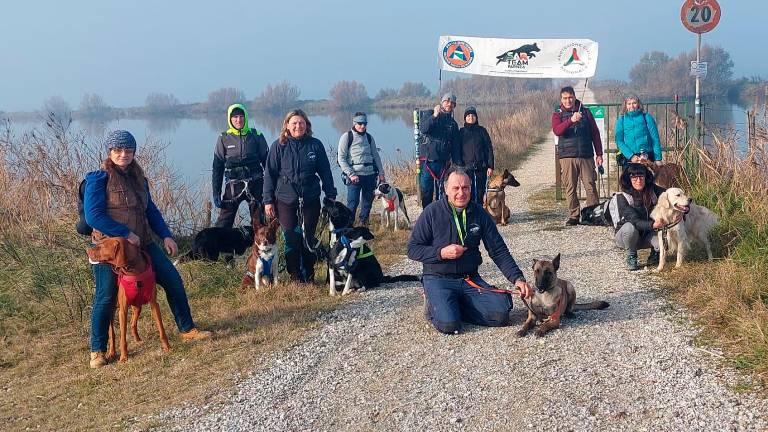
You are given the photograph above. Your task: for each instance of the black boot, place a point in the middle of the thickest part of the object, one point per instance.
(632, 261)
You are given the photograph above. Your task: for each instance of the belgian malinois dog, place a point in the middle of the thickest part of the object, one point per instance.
(552, 298)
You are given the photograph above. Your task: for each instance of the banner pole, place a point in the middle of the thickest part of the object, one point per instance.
(440, 81)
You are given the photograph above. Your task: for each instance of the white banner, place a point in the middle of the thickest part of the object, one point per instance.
(520, 58)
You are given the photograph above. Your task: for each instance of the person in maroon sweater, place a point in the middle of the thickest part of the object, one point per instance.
(579, 147)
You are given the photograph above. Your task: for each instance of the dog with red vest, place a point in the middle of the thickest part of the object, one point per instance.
(392, 205)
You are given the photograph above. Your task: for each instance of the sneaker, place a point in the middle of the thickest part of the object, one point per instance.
(632, 261)
(97, 360)
(571, 222)
(653, 258)
(195, 335)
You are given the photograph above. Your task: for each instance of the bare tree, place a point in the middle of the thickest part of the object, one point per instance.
(278, 97)
(386, 93)
(413, 89)
(349, 94)
(161, 103)
(57, 107)
(219, 100)
(93, 105)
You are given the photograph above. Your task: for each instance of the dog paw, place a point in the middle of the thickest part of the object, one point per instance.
(522, 333)
(539, 333)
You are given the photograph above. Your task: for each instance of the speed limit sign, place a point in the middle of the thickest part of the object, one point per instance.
(700, 16)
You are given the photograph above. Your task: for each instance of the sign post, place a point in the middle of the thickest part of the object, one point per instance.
(699, 16)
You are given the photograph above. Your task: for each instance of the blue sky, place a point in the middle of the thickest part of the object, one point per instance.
(125, 50)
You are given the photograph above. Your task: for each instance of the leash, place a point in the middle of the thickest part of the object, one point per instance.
(493, 289)
(665, 232)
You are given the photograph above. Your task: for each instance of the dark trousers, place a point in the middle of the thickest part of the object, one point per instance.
(431, 184)
(478, 178)
(230, 204)
(299, 261)
(362, 193)
(451, 301)
(106, 295)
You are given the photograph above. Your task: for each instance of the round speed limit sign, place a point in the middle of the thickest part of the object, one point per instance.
(700, 16)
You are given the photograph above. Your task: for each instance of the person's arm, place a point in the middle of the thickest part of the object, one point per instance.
(155, 218)
(620, 143)
(653, 132)
(271, 172)
(420, 247)
(217, 171)
(95, 206)
(425, 126)
(596, 141)
(559, 127)
(630, 214)
(489, 161)
(263, 151)
(498, 250)
(342, 155)
(377, 157)
(324, 171)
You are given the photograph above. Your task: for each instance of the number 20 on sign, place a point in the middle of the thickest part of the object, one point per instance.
(700, 16)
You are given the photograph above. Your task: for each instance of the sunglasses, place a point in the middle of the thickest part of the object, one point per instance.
(361, 123)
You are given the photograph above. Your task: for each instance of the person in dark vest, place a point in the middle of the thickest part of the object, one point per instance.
(361, 166)
(239, 158)
(117, 203)
(475, 153)
(446, 239)
(296, 165)
(579, 147)
(440, 135)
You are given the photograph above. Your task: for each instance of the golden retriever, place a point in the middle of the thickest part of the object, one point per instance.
(695, 223)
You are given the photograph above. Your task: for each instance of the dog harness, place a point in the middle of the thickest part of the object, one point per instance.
(139, 289)
(391, 203)
(432, 173)
(266, 265)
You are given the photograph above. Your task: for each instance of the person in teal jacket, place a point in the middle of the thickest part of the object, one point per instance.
(636, 133)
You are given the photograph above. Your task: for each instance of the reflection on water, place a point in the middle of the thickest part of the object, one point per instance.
(159, 125)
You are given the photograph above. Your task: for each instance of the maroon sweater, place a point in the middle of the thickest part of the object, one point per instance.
(559, 127)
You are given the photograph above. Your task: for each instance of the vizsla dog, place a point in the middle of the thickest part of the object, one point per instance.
(130, 264)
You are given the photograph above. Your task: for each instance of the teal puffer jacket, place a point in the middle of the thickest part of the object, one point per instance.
(636, 132)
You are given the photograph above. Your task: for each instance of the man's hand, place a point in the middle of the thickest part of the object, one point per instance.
(269, 210)
(436, 112)
(452, 251)
(170, 246)
(599, 160)
(525, 289)
(576, 117)
(489, 173)
(134, 239)
(382, 179)
(354, 178)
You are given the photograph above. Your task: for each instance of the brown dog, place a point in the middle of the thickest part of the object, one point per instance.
(666, 175)
(553, 297)
(129, 260)
(261, 267)
(495, 198)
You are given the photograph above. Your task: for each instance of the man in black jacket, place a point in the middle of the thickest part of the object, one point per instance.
(454, 292)
(440, 136)
(239, 157)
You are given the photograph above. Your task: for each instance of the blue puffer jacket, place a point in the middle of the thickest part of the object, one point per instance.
(636, 132)
(430, 235)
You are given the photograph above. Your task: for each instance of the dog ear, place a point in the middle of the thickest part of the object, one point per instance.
(534, 263)
(556, 262)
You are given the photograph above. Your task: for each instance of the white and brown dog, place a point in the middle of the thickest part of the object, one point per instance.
(261, 267)
(392, 205)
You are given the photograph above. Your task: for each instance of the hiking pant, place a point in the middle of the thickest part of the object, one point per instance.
(229, 205)
(629, 238)
(299, 261)
(574, 169)
(478, 178)
(431, 184)
(105, 297)
(451, 301)
(362, 193)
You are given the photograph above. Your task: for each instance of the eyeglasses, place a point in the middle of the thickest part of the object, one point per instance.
(361, 123)
(119, 150)
(637, 176)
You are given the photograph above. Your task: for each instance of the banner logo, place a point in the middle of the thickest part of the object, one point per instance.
(574, 58)
(518, 57)
(458, 54)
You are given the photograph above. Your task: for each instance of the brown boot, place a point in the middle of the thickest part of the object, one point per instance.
(195, 335)
(97, 360)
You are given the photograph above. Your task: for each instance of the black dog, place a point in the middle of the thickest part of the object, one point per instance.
(339, 216)
(211, 242)
(352, 264)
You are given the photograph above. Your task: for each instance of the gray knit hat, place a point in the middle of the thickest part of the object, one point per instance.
(120, 139)
(449, 96)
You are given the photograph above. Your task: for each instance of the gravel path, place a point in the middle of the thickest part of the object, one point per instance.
(375, 364)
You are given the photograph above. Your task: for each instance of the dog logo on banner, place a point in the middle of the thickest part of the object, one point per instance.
(518, 58)
(458, 54)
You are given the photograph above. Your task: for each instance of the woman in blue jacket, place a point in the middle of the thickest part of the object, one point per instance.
(117, 203)
(296, 164)
(636, 133)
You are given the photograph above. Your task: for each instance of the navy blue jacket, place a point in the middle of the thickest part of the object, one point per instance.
(440, 138)
(296, 168)
(436, 229)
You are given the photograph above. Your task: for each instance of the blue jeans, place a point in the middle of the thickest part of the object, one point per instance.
(451, 301)
(477, 178)
(106, 295)
(427, 182)
(362, 192)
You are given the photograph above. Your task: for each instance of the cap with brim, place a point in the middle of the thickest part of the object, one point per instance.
(360, 118)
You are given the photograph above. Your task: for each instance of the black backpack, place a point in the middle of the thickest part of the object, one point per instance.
(81, 226)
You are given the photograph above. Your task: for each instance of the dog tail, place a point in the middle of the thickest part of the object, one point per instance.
(595, 305)
(399, 278)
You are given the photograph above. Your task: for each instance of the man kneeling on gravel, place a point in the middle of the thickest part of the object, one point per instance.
(446, 239)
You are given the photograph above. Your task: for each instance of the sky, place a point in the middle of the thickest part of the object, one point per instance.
(123, 50)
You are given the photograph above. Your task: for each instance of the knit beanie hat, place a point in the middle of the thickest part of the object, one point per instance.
(236, 112)
(449, 97)
(470, 110)
(120, 139)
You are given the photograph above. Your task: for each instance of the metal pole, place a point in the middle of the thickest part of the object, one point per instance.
(697, 103)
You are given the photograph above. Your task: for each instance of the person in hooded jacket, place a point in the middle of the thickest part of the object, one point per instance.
(439, 138)
(239, 157)
(296, 165)
(475, 153)
(637, 135)
(361, 164)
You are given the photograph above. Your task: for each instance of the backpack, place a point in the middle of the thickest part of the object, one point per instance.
(611, 208)
(350, 138)
(82, 226)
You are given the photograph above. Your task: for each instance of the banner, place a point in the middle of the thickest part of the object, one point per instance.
(519, 58)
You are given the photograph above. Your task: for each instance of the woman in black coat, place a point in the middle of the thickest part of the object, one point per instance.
(475, 153)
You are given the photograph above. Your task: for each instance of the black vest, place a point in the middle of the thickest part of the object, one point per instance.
(576, 142)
